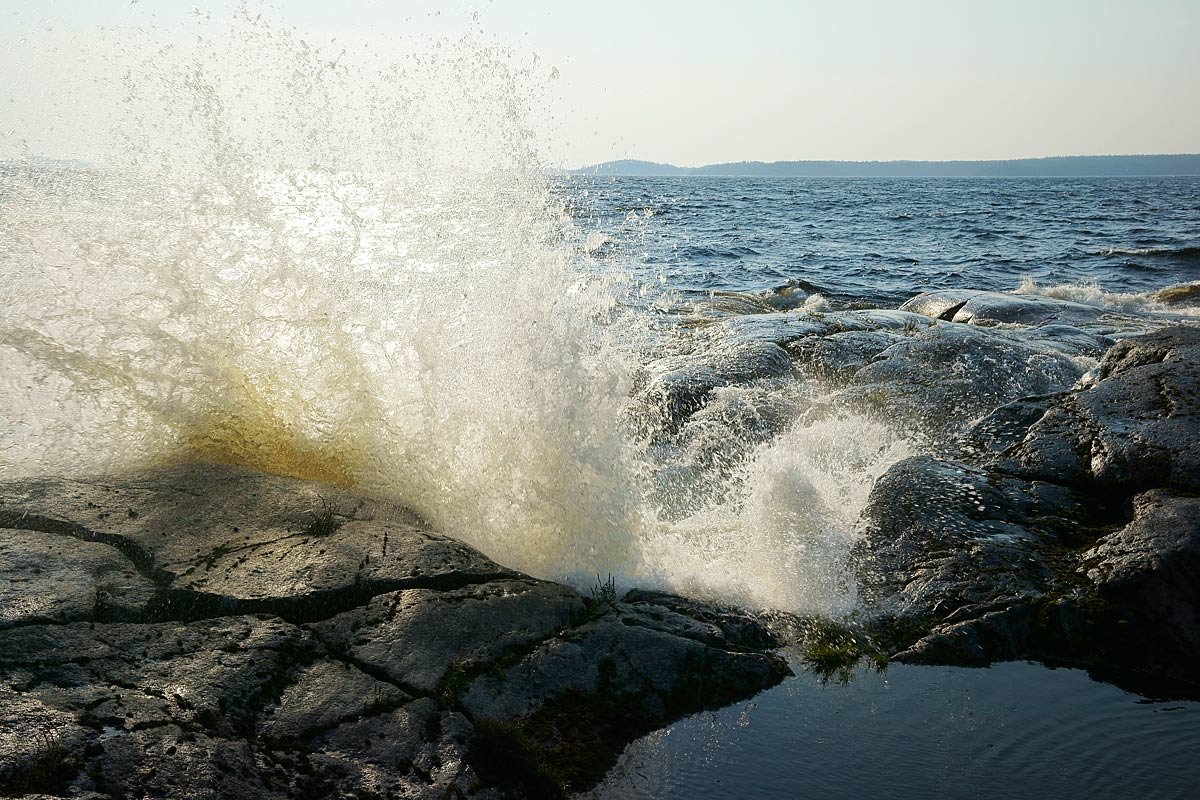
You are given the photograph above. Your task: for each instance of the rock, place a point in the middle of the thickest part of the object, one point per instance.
(243, 542)
(418, 750)
(37, 744)
(1137, 427)
(49, 578)
(323, 695)
(836, 357)
(995, 308)
(942, 536)
(782, 328)
(1146, 575)
(675, 387)
(1182, 294)
(1073, 538)
(277, 638)
(1070, 341)
(720, 626)
(620, 673)
(941, 305)
(946, 376)
(1033, 312)
(404, 635)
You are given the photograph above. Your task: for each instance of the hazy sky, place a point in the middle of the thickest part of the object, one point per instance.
(699, 82)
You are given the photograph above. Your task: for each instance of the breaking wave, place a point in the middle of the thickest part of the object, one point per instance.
(333, 267)
(1182, 298)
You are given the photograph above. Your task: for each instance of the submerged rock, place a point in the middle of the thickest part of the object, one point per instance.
(1182, 294)
(1073, 537)
(211, 631)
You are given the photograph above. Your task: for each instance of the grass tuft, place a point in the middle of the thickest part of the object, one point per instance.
(324, 522)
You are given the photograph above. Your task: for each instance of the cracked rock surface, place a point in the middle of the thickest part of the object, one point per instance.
(1068, 530)
(207, 631)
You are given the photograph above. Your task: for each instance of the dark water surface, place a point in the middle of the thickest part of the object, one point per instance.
(1015, 730)
(884, 240)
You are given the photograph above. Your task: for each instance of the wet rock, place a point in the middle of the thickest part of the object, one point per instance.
(1147, 578)
(620, 672)
(276, 638)
(836, 357)
(721, 626)
(1070, 341)
(415, 751)
(1073, 537)
(38, 744)
(322, 695)
(676, 387)
(229, 539)
(783, 328)
(1182, 294)
(49, 578)
(942, 536)
(946, 376)
(414, 637)
(992, 309)
(941, 305)
(1137, 427)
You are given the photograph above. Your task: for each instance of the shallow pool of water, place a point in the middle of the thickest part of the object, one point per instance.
(1013, 730)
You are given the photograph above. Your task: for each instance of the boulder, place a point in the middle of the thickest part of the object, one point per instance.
(1136, 427)
(201, 630)
(946, 376)
(1073, 537)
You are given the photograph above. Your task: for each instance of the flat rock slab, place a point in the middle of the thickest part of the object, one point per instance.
(416, 636)
(247, 541)
(210, 631)
(49, 578)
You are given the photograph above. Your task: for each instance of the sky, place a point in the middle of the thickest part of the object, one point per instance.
(701, 82)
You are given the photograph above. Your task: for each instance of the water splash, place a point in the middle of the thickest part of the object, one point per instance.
(1180, 299)
(355, 271)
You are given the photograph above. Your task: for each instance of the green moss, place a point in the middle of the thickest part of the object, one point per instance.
(503, 754)
(454, 681)
(832, 650)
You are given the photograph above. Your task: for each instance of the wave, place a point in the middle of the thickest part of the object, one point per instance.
(1186, 252)
(360, 274)
(1178, 299)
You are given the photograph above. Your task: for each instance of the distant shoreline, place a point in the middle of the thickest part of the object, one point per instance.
(1052, 167)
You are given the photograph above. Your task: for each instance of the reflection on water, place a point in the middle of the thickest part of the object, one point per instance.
(1013, 730)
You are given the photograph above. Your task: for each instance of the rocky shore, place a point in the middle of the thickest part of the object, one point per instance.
(209, 631)
(1066, 529)
(1054, 513)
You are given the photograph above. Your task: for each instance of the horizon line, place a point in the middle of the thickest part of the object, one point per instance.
(1158, 164)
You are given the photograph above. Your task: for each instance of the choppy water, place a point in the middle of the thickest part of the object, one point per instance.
(877, 242)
